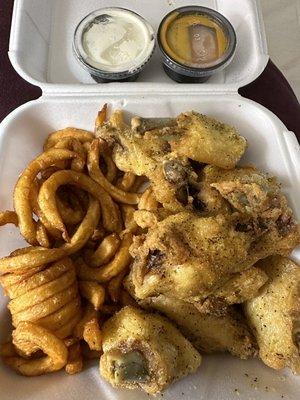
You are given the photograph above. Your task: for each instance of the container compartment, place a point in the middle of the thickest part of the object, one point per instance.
(49, 25)
(271, 148)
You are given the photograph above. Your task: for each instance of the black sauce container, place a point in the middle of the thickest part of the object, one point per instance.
(183, 73)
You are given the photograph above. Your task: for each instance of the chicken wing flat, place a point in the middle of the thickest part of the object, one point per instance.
(189, 257)
(239, 288)
(162, 154)
(248, 191)
(145, 350)
(209, 333)
(275, 314)
(208, 141)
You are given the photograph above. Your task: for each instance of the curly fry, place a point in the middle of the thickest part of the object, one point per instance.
(114, 286)
(42, 236)
(105, 251)
(101, 117)
(36, 256)
(74, 363)
(62, 316)
(110, 270)
(128, 217)
(47, 200)
(88, 314)
(22, 190)
(93, 292)
(54, 348)
(46, 307)
(126, 182)
(72, 144)
(97, 175)
(8, 217)
(69, 215)
(42, 292)
(74, 133)
(92, 334)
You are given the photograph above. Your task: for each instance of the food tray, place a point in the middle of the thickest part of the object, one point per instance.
(71, 99)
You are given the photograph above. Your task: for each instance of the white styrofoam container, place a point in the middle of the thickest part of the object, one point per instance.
(40, 51)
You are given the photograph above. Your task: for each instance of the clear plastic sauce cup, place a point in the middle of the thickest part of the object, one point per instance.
(196, 42)
(113, 44)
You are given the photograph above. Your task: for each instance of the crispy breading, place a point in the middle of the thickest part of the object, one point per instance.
(251, 193)
(208, 141)
(275, 314)
(145, 350)
(162, 154)
(239, 288)
(189, 257)
(209, 333)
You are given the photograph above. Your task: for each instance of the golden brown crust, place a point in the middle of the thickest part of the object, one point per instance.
(275, 314)
(209, 333)
(169, 356)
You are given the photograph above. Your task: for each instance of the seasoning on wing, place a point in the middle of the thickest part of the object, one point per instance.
(163, 152)
(209, 333)
(189, 256)
(275, 314)
(145, 350)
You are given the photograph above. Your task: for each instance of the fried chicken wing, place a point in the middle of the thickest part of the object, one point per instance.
(275, 314)
(145, 350)
(162, 153)
(241, 287)
(209, 333)
(250, 192)
(208, 141)
(189, 257)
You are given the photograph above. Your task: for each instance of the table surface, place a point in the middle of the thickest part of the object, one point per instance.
(270, 89)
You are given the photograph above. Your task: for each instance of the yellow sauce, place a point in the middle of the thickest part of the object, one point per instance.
(194, 40)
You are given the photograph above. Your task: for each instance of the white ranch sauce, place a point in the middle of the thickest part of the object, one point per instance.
(119, 40)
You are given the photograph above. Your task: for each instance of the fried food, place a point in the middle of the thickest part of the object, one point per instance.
(8, 217)
(127, 181)
(249, 191)
(79, 134)
(74, 363)
(162, 153)
(106, 272)
(47, 200)
(42, 236)
(274, 314)
(93, 292)
(114, 286)
(208, 333)
(24, 185)
(145, 350)
(160, 230)
(48, 298)
(36, 256)
(204, 139)
(189, 257)
(117, 194)
(105, 251)
(241, 287)
(92, 334)
(34, 336)
(128, 213)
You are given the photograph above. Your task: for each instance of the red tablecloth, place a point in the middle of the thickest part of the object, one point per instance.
(271, 89)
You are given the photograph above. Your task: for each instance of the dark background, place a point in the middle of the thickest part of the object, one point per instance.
(271, 89)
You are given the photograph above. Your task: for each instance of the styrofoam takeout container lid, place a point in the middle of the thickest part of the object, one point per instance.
(41, 52)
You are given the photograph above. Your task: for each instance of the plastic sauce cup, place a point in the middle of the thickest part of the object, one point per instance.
(113, 44)
(196, 42)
